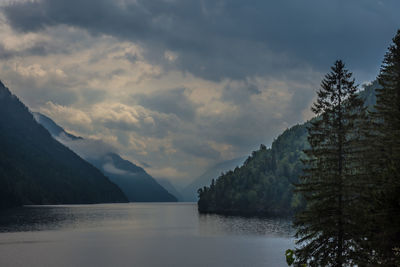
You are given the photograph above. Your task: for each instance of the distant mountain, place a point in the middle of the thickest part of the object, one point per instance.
(137, 185)
(37, 169)
(264, 184)
(189, 193)
(369, 94)
(170, 188)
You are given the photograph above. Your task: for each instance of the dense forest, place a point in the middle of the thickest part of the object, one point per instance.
(37, 169)
(264, 184)
(344, 180)
(189, 192)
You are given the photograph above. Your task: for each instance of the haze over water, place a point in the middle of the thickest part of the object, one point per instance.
(134, 234)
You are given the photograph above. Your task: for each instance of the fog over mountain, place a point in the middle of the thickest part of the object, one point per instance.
(181, 85)
(37, 169)
(189, 192)
(137, 185)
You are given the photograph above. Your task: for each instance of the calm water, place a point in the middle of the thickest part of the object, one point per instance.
(138, 235)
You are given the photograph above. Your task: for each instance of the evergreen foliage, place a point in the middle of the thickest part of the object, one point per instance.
(333, 174)
(284, 169)
(36, 169)
(351, 176)
(264, 184)
(384, 162)
(189, 192)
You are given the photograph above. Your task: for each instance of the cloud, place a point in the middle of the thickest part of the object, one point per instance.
(87, 148)
(191, 145)
(183, 84)
(240, 92)
(109, 167)
(173, 101)
(169, 172)
(69, 116)
(228, 39)
(134, 118)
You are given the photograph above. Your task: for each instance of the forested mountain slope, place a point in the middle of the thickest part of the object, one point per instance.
(264, 184)
(189, 192)
(133, 180)
(37, 169)
(137, 185)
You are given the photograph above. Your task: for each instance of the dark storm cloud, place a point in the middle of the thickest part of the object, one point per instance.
(239, 94)
(234, 39)
(169, 102)
(266, 56)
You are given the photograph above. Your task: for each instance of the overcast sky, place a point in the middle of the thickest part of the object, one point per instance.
(179, 85)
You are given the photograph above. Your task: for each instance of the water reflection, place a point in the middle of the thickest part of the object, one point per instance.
(34, 219)
(39, 218)
(218, 224)
(138, 234)
(173, 218)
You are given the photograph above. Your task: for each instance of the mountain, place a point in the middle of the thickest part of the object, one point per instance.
(264, 184)
(37, 169)
(369, 94)
(53, 128)
(137, 185)
(189, 193)
(164, 182)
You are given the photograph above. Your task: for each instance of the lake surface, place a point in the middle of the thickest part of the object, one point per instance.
(156, 234)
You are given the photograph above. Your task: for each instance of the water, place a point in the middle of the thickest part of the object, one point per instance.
(133, 234)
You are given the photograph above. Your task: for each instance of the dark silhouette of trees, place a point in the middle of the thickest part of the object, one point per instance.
(326, 228)
(384, 161)
(263, 185)
(37, 169)
(349, 171)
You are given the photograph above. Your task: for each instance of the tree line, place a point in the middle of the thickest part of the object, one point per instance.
(349, 187)
(351, 180)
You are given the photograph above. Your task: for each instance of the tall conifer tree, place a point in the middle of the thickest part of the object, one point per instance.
(385, 159)
(327, 230)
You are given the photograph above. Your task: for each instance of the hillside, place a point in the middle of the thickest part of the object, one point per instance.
(189, 193)
(167, 184)
(264, 184)
(137, 185)
(133, 180)
(37, 169)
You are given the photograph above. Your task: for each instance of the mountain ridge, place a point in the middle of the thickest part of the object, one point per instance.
(189, 192)
(264, 184)
(133, 180)
(37, 169)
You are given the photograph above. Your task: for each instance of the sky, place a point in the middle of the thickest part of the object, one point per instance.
(177, 86)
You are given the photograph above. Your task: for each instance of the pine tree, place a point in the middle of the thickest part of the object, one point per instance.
(327, 232)
(386, 159)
